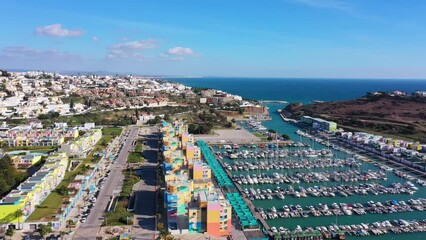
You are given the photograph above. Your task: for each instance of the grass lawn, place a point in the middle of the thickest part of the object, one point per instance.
(139, 147)
(42, 150)
(135, 157)
(120, 213)
(263, 138)
(50, 206)
(108, 134)
(114, 131)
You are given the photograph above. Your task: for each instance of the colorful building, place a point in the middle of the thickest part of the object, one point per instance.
(211, 213)
(81, 146)
(33, 191)
(27, 136)
(25, 161)
(318, 123)
(192, 203)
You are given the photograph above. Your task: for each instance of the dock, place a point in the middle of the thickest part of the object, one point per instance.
(240, 190)
(287, 119)
(273, 101)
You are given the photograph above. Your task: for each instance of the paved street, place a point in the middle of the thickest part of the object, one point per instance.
(90, 229)
(145, 190)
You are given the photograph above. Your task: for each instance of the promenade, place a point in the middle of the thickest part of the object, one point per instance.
(92, 227)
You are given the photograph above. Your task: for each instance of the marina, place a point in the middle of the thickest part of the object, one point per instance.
(312, 189)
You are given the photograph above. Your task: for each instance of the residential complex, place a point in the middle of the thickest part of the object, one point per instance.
(33, 191)
(192, 202)
(26, 161)
(318, 123)
(27, 135)
(31, 94)
(80, 146)
(395, 147)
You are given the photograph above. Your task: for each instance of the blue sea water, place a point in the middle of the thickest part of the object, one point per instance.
(302, 90)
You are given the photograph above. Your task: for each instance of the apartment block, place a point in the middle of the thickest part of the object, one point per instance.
(80, 146)
(193, 204)
(318, 123)
(33, 191)
(26, 161)
(26, 135)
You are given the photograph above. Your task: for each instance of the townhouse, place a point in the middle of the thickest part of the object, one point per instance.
(26, 135)
(32, 192)
(80, 146)
(25, 161)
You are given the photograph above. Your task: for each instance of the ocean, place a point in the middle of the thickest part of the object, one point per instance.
(299, 90)
(302, 90)
(307, 90)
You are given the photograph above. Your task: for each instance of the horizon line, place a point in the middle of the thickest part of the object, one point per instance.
(106, 73)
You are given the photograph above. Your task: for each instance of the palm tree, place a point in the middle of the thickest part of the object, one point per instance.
(70, 222)
(62, 233)
(19, 214)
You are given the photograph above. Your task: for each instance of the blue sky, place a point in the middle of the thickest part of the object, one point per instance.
(251, 38)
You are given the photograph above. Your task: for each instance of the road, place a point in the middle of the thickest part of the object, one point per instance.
(90, 229)
(145, 190)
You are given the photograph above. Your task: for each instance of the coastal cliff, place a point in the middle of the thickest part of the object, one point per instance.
(397, 116)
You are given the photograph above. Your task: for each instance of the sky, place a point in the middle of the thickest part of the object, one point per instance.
(251, 38)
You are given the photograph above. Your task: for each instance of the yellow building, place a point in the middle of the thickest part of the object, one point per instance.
(192, 152)
(25, 161)
(81, 146)
(33, 191)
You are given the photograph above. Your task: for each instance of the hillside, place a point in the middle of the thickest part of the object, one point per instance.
(403, 117)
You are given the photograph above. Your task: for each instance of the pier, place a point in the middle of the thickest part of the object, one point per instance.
(247, 201)
(287, 119)
(252, 158)
(273, 101)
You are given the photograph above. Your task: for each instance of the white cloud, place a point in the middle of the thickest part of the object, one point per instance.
(95, 39)
(178, 53)
(141, 44)
(129, 50)
(331, 4)
(38, 55)
(56, 30)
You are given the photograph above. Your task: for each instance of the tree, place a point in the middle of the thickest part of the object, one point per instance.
(160, 226)
(10, 232)
(4, 73)
(166, 117)
(62, 234)
(44, 229)
(63, 191)
(72, 103)
(272, 131)
(70, 223)
(285, 137)
(18, 214)
(137, 113)
(9, 176)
